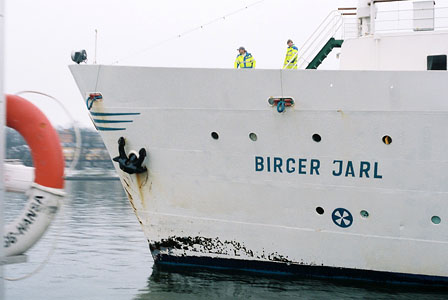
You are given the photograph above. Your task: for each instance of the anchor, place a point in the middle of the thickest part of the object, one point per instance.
(131, 164)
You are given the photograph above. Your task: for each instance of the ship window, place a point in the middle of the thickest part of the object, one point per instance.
(387, 140)
(320, 210)
(253, 136)
(215, 135)
(436, 62)
(316, 138)
(364, 213)
(436, 220)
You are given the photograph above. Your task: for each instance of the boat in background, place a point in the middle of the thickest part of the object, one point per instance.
(17, 177)
(92, 174)
(322, 173)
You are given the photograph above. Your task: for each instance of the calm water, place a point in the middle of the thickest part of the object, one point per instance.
(102, 254)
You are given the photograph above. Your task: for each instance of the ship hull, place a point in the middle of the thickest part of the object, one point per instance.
(302, 271)
(321, 188)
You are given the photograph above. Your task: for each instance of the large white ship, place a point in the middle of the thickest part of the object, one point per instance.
(321, 173)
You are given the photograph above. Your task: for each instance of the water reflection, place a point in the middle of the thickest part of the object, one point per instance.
(170, 282)
(101, 251)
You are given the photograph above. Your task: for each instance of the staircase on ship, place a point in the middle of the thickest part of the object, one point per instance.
(329, 34)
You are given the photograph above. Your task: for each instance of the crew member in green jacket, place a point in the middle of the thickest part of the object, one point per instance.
(291, 56)
(244, 60)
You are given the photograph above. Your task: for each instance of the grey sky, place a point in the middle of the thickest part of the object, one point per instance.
(40, 35)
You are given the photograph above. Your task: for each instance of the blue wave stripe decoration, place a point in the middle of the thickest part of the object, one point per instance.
(112, 121)
(113, 114)
(109, 128)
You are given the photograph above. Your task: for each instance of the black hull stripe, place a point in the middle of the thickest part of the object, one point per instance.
(279, 268)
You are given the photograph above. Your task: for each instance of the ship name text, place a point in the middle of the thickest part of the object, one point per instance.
(305, 166)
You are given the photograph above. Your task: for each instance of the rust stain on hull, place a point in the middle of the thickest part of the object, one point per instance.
(134, 186)
(131, 201)
(126, 182)
(141, 183)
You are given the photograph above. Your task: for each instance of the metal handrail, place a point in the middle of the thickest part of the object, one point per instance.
(409, 10)
(305, 47)
(324, 38)
(318, 28)
(327, 29)
(401, 18)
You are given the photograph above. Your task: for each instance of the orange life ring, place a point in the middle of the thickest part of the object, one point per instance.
(42, 139)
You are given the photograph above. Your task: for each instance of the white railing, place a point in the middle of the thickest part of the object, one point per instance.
(350, 28)
(330, 26)
(405, 19)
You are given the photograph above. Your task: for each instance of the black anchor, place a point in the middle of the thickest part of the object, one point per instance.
(131, 164)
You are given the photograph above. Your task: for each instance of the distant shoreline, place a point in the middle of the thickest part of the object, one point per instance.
(89, 178)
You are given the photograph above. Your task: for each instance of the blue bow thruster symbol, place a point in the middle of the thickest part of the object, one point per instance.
(342, 217)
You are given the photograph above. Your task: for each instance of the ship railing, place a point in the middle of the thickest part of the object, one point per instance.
(351, 28)
(408, 19)
(333, 24)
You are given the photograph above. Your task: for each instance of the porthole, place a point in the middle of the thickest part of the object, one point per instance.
(364, 214)
(320, 210)
(436, 220)
(387, 140)
(316, 138)
(253, 136)
(215, 135)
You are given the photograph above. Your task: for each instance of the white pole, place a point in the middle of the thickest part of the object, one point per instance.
(96, 43)
(2, 143)
(372, 17)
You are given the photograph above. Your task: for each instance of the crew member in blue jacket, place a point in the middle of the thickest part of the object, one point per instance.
(291, 56)
(244, 60)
